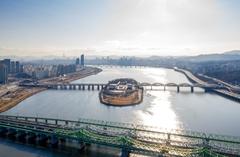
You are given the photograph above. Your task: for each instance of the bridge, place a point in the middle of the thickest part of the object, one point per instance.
(146, 85)
(129, 138)
(226, 90)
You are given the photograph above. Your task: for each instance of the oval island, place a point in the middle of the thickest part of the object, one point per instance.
(121, 92)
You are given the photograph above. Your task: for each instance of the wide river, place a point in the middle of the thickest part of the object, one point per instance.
(198, 111)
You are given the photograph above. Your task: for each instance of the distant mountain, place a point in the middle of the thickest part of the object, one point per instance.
(226, 56)
(233, 52)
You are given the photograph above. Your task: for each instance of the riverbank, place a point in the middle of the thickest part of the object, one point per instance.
(194, 79)
(15, 95)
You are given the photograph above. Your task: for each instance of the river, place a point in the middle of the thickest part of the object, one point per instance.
(198, 111)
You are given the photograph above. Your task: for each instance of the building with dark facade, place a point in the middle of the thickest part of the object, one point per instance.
(7, 63)
(82, 60)
(77, 61)
(3, 74)
(12, 67)
(17, 67)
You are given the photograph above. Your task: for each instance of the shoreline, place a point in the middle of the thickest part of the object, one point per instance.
(13, 98)
(194, 79)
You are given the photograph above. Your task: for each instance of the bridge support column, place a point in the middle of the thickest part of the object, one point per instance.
(12, 133)
(3, 131)
(21, 136)
(79, 87)
(83, 87)
(102, 86)
(54, 141)
(168, 139)
(164, 88)
(98, 87)
(125, 153)
(192, 89)
(92, 87)
(42, 139)
(74, 87)
(82, 146)
(66, 122)
(88, 87)
(31, 138)
(46, 121)
(178, 89)
(70, 87)
(56, 122)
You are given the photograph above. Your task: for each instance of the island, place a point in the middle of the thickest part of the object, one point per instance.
(121, 92)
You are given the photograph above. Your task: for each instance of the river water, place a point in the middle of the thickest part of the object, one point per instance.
(198, 111)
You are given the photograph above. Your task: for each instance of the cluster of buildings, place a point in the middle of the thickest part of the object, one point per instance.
(80, 62)
(9, 67)
(36, 71)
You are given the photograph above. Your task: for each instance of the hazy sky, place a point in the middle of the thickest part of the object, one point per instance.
(118, 27)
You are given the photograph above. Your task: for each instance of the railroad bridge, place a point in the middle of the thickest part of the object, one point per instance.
(145, 85)
(129, 138)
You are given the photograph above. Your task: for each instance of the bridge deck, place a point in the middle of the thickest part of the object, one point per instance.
(134, 138)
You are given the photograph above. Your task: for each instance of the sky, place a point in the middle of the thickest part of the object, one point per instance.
(118, 27)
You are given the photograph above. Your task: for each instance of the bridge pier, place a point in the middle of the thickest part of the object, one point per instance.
(178, 89)
(125, 153)
(31, 138)
(54, 141)
(83, 87)
(92, 87)
(66, 122)
(164, 88)
(21, 136)
(11, 133)
(98, 87)
(74, 87)
(70, 87)
(88, 87)
(42, 139)
(3, 131)
(168, 139)
(82, 146)
(192, 89)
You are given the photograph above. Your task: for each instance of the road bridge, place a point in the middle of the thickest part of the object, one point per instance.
(145, 85)
(129, 138)
(225, 89)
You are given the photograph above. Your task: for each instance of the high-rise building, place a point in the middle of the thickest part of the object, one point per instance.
(77, 61)
(21, 68)
(12, 67)
(3, 74)
(7, 63)
(17, 67)
(82, 60)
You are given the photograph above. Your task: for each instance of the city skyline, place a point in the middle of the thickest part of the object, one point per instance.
(134, 28)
